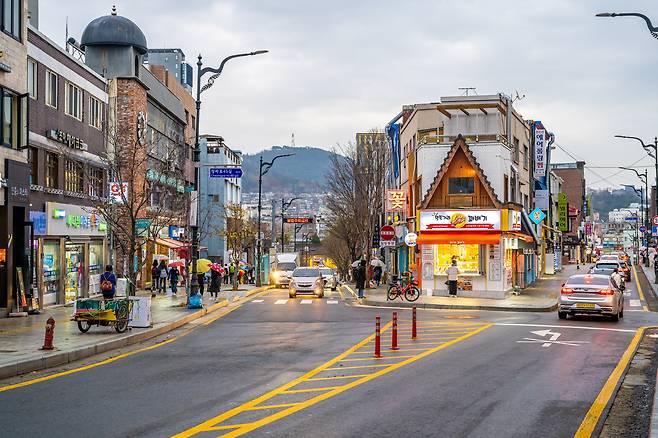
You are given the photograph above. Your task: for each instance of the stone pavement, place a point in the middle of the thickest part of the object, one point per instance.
(540, 297)
(22, 338)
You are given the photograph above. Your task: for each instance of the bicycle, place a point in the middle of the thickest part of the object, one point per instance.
(410, 291)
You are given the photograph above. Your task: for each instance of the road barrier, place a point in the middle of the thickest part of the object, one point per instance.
(394, 333)
(413, 323)
(50, 334)
(378, 326)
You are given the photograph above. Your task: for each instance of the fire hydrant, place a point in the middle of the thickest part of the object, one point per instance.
(50, 334)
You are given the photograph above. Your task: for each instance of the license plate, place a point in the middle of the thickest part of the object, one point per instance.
(585, 306)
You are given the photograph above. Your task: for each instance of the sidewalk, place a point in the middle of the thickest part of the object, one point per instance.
(22, 338)
(540, 297)
(651, 277)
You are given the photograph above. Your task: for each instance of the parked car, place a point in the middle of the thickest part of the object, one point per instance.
(306, 281)
(590, 294)
(607, 267)
(329, 277)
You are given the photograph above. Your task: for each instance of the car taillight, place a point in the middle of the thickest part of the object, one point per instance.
(606, 292)
(566, 291)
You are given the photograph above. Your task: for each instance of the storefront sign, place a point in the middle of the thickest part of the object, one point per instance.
(298, 220)
(540, 153)
(39, 220)
(410, 239)
(466, 220)
(18, 182)
(514, 218)
(588, 228)
(562, 212)
(142, 226)
(176, 232)
(537, 216)
(396, 200)
(73, 220)
(118, 192)
(67, 139)
(494, 263)
(542, 199)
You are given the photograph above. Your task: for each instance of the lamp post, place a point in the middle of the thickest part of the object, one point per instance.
(194, 219)
(298, 228)
(284, 207)
(637, 246)
(263, 168)
(644, 177)
(652, 151)
(652, 29)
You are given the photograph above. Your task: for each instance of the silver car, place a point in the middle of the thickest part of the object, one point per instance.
(306, 281)
(329, 277)
(590, 294)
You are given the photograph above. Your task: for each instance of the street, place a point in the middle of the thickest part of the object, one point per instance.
(304, 367)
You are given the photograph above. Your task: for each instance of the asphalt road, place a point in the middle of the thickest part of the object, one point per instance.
(466, 374)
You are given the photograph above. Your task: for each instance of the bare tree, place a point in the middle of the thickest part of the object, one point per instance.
(239, 234)
(356, 191)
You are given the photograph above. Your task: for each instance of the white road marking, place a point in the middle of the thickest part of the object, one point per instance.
(280, 301)
(306, 302)
(257, 301)
(564, 327)
(635, 303)
(548, 343)
(332, 302)
(548, 332)
(627, 294)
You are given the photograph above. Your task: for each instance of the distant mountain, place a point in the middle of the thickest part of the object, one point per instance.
(305, 172)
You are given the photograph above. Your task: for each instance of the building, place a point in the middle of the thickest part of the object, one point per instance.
(16, 267)
(67, 120)
(619, 215)
(215, 193)
(574, 203)
(173, 60)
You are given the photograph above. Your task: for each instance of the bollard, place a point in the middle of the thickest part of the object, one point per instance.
(378, 323)
(50, 334)
(413, 323)
(394, 333)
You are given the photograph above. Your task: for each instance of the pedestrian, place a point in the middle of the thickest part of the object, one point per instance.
(453, 272)
(173, 280)
(360, 278)
(155, 277)
(108, 283)
(201, 279)
(215, 285)
(378, 274)
(226, 276)
(164, 273)
(231, 272)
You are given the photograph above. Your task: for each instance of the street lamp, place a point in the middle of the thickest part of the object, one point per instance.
(262, 171)
(652, 151)
(637, 245)
(652, 29)
(194, 220)
(284, 207)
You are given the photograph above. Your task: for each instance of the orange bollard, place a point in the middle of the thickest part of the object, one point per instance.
(394, 333)
(378, 323)
(50, 334)
(413, 323)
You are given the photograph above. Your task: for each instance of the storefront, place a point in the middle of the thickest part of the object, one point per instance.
(72, 253)
(485, 244)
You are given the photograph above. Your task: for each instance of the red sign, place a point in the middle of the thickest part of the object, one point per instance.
(654, 220)
(298, 220)
(387, 233)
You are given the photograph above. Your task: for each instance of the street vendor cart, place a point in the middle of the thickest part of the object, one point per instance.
(98, 311)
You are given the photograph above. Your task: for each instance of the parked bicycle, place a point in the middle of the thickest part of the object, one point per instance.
(410, 291)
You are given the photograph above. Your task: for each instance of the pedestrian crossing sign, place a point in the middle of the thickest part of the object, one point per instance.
(537, 216)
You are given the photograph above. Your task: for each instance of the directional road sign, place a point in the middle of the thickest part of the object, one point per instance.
(225, 172)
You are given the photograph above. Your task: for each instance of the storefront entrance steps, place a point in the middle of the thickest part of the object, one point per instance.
(22, 338)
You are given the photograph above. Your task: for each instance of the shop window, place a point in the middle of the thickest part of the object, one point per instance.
(12, 13)
(73, 177)
(73, 99)
(96, 258)
(461, 186)
(96, 182)
(32, 78)
(51, 89)
(52, 171)
(467, 256)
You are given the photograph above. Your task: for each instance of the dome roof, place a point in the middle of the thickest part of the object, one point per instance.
(113, 30)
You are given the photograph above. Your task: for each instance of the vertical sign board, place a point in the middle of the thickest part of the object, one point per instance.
(562, 212)
(540, 152)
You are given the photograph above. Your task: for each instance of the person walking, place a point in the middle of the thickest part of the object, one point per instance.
(226, 273)
(201, 279)
(360, 278)
(108, 283)
(215, 285)
(173, 280)
(378, 274)
(231, 273)
(164, 273)
(155, 277)
(453, 273)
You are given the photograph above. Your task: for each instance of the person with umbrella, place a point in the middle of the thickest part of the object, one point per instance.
(378, 270)
(215, 281)
(173, 280)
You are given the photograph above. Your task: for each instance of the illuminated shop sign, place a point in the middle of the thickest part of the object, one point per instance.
(459, 220)
(73, 220)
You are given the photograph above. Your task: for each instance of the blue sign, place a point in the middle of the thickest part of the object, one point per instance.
(643, 229)
(537, 216)
(654, 230)
(38, 218)
(225, 172)
(176, 232)
(632, 218)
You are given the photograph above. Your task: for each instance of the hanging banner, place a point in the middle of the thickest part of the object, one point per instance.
(562, 212)
(540, 153)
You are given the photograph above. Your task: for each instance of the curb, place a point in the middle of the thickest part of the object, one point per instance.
(60, 358)
(367, 302)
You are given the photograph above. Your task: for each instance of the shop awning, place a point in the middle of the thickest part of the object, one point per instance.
(169, 243)
(447, 237)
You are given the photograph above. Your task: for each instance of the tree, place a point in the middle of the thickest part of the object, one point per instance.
(356, 193)
(239, 234)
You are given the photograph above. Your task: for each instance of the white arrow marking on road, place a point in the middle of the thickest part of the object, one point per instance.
(332, 302)
(548, 332)
(306, 302)
(257, 301)
(280, 301)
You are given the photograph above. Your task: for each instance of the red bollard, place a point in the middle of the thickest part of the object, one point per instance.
(413, 323)
(378, 323)
(50, 334)
(394, 333)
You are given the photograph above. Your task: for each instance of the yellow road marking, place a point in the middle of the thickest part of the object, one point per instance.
(374, 358)
(592, 417)
(227, 427)
(300, 391)
(209, 424)
(639, 290)
(369, 351)
(357, 367)
(265, 407)
(353, 376)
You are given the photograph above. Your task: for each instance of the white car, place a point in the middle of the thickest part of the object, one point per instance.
(280, 276)
(590, 294)
(329, 277)
(306, 281)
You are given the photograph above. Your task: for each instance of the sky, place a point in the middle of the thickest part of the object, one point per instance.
(340, 67)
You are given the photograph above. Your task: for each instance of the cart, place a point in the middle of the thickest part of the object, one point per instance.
(100, 312)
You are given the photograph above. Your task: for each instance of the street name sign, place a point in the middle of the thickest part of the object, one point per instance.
(225, 172)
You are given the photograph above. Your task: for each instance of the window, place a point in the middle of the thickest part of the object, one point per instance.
(32, 78)
(52, 171)
(73, 177)
(95, 112)
(505, 188)
(96, 181)
(34, 169)
(461, 186)
(526, 156)
(73, 98)
(51, 89)
(13, 120)
(11, 17)
(516, 150)
(467, 256)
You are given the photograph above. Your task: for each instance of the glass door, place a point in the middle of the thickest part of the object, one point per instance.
(75, 268)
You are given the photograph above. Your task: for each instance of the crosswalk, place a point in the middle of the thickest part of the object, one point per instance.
(284, 301)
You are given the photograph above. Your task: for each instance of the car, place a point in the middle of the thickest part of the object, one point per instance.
(329, 277)
(625, 270)
(609, 257)
(590, 294)
(607, 267)
(601, 271)
(306, 281)
(281, 274)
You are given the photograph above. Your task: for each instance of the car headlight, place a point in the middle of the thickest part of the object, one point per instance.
(276, 275)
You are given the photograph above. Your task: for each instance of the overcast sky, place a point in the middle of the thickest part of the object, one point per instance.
(338, 67)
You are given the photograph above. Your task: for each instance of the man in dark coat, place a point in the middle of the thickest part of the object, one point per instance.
(360, 278)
